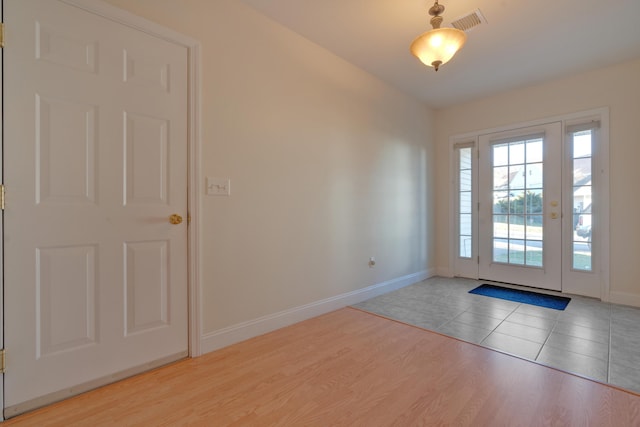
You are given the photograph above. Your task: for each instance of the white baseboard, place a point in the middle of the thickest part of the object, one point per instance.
(253, 328)
(624, 299)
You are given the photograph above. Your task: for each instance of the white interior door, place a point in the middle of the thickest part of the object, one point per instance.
(95, 162)
(520, 195)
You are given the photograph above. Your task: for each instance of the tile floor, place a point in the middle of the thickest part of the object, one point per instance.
(590, 338)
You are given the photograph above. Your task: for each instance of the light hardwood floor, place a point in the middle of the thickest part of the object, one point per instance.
(348, 368)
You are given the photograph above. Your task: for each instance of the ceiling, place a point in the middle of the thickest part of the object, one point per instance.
(524, 42)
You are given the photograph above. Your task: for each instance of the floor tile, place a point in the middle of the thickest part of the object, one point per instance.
(592, 321)
(412, 304)
(496, 303)
(579, 302)
(421, 291)
(578, 345)
(575, 330)
(533, 310)
(374, 303)
(529, 320)
(491, 311)
(580, 364)
(523, 331)
(512, 345)
(625, 315)
(624, 351)
(625, 376)
(478, 320)
(456, 304)
(464, 331)
(627, 335)
(431, 322)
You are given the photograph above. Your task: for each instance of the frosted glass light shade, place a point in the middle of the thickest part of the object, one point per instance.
(437, 46)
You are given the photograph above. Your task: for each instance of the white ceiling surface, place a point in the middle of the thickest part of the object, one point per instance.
(524, 41)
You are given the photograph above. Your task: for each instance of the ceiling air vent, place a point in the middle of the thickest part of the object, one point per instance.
(468, 22)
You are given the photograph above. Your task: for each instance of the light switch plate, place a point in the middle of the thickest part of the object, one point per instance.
(218, 186)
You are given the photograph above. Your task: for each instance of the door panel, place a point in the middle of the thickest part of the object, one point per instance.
(146, 167)
(95, 156)
(65, 298)
(520, 207)
(65, 130)
(146, 284)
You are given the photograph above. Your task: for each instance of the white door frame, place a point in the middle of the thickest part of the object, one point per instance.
(603, 171)
(193, 47)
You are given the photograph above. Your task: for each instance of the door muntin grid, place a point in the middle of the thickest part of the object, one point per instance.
(518, 195)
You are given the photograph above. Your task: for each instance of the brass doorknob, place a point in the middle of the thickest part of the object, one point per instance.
(175, 219)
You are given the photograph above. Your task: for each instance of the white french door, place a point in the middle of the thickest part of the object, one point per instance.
(95, 162)
(520, 206)
(531, 204)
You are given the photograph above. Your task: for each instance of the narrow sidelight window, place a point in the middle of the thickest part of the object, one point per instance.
(465, 201)
(582, 143)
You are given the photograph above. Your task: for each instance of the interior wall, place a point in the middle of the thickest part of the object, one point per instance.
(328, 166)
(615, 87)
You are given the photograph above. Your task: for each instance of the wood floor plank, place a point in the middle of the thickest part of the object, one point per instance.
(348, 368)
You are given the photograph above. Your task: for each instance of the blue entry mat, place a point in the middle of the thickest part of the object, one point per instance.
(526, 297)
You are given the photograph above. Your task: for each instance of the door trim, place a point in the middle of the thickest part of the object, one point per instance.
(194, 144)
(603, 114)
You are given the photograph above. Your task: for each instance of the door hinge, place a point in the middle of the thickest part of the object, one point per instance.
(1, 196)
(2, 361)
(1, 34)
(478, 260)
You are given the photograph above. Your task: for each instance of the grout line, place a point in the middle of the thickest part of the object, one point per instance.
(501, 322)
(547, 339)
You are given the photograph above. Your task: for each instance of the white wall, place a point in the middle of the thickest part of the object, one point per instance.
(328, 167)
(616, 87)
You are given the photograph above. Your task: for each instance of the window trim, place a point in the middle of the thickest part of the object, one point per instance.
(458, 148)
(574, 279)
(459, 266)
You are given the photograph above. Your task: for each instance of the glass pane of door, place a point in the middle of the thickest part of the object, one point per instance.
(518, 195)
(582, 160)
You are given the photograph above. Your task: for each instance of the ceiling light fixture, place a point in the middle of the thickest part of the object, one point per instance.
(437, 46)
